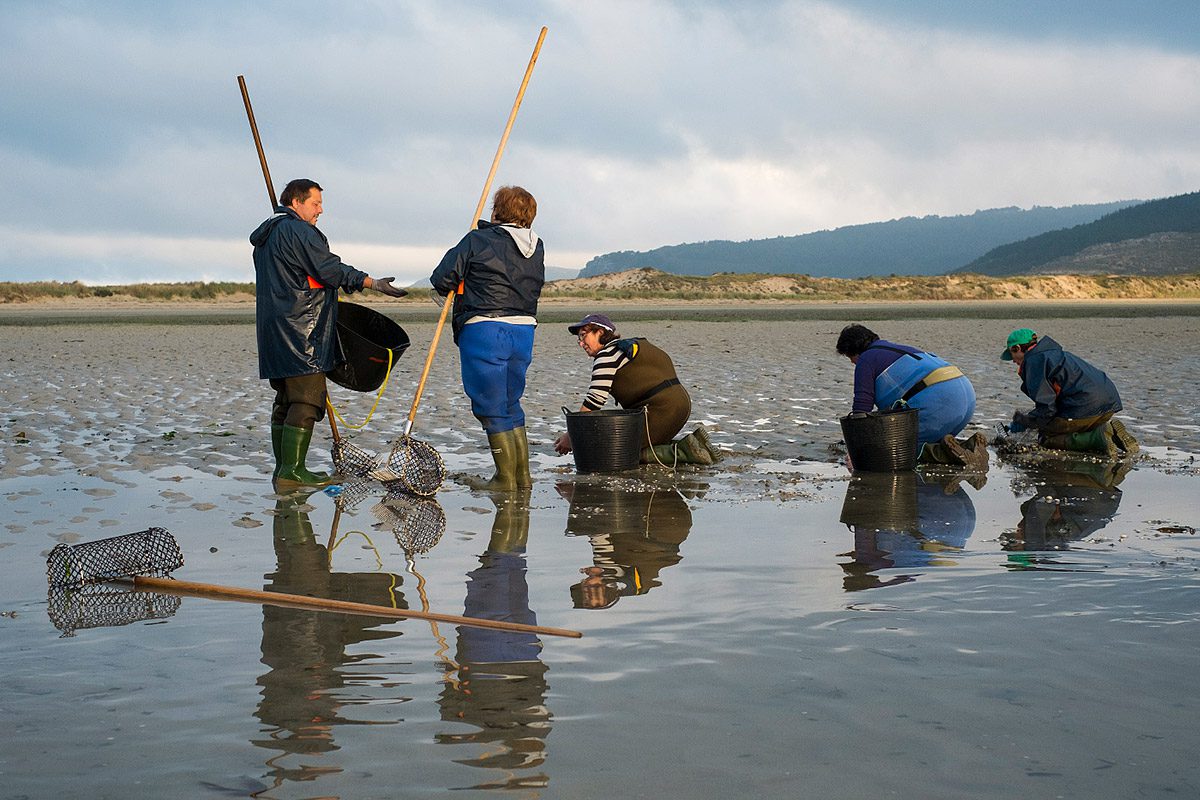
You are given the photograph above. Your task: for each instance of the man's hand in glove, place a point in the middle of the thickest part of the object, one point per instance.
(1020, 422)
(384, 285)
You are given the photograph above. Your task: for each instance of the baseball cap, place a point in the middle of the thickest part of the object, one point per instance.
(1019, 336)
(598, 320)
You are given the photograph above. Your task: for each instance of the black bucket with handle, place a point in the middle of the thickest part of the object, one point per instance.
(608, 440)
(367, 338)
(882, 441)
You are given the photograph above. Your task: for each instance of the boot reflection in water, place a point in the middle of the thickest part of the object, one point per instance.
(501, 688)
(306, 651)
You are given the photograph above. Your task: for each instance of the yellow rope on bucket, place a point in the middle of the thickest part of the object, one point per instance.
(378, 397)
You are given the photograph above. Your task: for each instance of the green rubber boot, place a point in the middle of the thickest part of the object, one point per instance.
(521, 443)
(276, 446)
(293, 449)
(504, 453)
(1096, 440)
(1124, 440)
(936, 453)
(688, 450)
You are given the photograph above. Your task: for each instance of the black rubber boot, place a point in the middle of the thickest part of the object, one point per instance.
(293, 450)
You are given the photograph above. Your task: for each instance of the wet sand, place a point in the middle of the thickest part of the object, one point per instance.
(118, 399)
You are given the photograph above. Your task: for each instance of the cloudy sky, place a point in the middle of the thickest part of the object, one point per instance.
(127, 156)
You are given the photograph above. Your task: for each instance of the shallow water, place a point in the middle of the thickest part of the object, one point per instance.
(772, 628)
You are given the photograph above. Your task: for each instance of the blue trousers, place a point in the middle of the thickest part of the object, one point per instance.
(495, 357)
(946, 407)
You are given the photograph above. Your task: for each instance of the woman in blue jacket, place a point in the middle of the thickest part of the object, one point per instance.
(498, 271)
(888, 374)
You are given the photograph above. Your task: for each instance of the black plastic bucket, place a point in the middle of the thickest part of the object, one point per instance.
(367, 337)
(882, 441)
(608, 440)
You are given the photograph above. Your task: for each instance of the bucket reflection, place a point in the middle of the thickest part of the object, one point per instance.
(901, 522)
(635, 535)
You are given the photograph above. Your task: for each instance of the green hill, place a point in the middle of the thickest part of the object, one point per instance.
(929, 245)
(1158, 237)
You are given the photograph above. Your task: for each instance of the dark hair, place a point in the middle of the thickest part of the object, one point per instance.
(606, 335)
(854, 339)
(297, 191)
(514, 205)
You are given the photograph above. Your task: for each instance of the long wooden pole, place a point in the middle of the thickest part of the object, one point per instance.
(483, 196)
(284, 600)
(262, 156)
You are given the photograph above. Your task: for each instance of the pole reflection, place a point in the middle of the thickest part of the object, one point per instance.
(310, 677)
(499, 689)
(903, 521)
(635, 535)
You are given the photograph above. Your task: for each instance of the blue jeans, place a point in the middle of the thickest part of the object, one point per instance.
(495, 357)
(946, 407)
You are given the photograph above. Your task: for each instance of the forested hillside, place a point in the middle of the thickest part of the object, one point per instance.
(1158, 237)
(929, 245)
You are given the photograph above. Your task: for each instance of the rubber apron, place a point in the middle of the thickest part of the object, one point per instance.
(904, 373)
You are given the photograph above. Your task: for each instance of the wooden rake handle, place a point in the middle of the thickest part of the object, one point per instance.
(487, 185)
(283, 600)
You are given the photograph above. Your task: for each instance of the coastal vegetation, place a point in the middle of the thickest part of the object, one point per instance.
(650, 284)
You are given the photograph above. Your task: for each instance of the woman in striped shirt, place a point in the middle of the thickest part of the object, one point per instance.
(638, 374)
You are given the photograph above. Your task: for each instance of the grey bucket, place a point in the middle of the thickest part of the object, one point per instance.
(882, 441)
(608, 440)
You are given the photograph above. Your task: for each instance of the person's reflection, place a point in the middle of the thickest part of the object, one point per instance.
(635, 535)
(501, 687)
(905, 520)
(305, 651)
(1074, 499)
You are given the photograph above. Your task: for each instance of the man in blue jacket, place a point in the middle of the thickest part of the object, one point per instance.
(296, 317)
(1074, 401)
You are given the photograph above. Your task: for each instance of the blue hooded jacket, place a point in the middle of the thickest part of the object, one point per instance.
(296, 320)
(1064, 385)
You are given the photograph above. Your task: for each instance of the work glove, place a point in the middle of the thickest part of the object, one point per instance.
(1020, 422)
(437, 298)
(384, 285)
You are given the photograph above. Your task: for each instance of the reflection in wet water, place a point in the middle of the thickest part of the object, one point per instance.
(500, 689)
(310, 678)
(1073, 499)
(903, 520)
(635, 535)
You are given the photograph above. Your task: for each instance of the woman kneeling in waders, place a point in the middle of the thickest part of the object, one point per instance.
(639, 375)
(887, 374)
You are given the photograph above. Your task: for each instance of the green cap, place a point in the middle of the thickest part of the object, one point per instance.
(1019, 336)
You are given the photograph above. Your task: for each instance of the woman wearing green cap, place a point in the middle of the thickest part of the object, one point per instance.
(637, 374)
(1074, 401)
